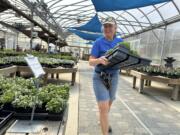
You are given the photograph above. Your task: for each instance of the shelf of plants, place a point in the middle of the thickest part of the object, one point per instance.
(46, 62)
(17, 97)
(9, 58)
(123, 57)
(173, 73)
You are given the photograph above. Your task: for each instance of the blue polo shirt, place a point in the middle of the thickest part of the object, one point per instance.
(100, 47)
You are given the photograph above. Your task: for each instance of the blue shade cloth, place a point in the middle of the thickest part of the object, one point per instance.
(86, 36)
(90, 43)
(114, 5)
(94, 25)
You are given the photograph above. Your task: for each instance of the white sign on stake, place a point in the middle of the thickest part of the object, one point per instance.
(34, 65)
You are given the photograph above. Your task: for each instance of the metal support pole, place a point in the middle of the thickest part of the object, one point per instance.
(163, 44)
(48, 45)
(56, 47)
(36, 83)
(32, 29)
(17, 42)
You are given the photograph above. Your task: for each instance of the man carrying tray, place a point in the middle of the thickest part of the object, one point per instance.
(105, 81)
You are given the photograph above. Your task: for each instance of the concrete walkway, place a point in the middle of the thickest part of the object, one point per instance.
(132, 113)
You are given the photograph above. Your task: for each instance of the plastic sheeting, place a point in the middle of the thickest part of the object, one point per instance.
(108, 5)
(94, 25)
(86, 36)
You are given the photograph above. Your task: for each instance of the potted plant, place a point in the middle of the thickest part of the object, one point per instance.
(169, 62)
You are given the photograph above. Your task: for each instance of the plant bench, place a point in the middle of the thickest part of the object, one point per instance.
(53, 71)
(142, 76)
(11, 71)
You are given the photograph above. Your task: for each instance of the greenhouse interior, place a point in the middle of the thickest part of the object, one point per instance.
(89, 67)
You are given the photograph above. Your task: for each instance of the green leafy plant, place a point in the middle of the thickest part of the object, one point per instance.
(160, 70)
(21, 93)
(46, 62)
(56, 104)
(125, 44)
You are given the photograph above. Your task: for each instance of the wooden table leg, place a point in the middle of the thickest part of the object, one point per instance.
(45, 78)
(146, 82)
(52, 75)
(149, 83)
(12, 75)
(141, 86)
(73, 78)
(18, 73)
(175, 92)
(57, 76)
(134, 82)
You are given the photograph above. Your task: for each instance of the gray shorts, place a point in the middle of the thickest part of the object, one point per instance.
(101, 92)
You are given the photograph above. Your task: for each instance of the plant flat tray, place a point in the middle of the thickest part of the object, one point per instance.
(5, 117)
(39, 116)
(120, 56)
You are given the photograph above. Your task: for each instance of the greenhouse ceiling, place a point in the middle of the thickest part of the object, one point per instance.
(54, 17)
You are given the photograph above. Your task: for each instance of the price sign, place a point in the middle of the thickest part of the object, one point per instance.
(34, 65)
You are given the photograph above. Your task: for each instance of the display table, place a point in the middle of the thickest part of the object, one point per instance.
(142, 76)
(11, 71)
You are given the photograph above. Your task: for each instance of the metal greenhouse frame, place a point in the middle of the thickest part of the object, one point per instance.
(58, 15)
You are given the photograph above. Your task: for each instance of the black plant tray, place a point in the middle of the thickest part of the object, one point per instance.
(40, 113)
(121, 57)
(27, 116)
(29, 110)
(8, 107)
(141, 62)
(67, 65)
(40, 116)
(5, 66)
(132, 60)
(5, 117)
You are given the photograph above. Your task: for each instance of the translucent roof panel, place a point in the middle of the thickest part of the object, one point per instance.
(59, 15)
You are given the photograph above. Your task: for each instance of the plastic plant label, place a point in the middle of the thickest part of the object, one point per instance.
(34, 65)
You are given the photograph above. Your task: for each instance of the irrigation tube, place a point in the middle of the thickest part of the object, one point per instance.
(136, 117)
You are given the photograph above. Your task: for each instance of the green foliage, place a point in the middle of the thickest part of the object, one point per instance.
(127, 45)
(46, 62)
(22, 92)
(56, 104)
(63, 56)
(160, 70)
